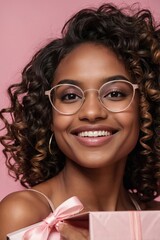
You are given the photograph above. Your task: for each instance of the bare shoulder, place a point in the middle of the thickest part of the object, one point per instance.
(21, 209)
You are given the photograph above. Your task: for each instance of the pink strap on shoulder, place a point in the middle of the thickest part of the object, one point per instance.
(48, 200)
(41, 232)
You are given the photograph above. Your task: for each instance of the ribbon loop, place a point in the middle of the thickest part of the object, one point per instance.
(50, 220)
(68, 208)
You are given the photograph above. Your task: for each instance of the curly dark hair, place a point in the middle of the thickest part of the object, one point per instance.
(134, 36)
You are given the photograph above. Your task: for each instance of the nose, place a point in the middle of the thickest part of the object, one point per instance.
(92, 109)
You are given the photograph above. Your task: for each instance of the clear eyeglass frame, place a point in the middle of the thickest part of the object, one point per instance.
(134, 87)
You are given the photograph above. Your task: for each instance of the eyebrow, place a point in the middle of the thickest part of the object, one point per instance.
(108, 79)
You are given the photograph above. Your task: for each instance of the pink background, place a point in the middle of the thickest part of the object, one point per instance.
(25, 25)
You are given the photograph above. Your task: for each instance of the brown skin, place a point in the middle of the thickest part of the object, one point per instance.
(92, 173)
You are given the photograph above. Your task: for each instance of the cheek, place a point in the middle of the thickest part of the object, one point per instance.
(131, 126)
(60, 123)
(59, 126)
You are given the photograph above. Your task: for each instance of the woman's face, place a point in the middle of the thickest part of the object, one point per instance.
(89, 66)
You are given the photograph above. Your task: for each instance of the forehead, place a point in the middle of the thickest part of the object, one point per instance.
(89, 62)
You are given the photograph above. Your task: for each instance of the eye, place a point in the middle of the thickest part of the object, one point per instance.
(70, 97)
(115, 92)
(68, 94)
(116, 95)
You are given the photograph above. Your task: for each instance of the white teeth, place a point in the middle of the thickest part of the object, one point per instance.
(94, 133)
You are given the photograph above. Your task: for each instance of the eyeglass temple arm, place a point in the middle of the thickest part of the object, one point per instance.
(47, 93)
(135, 86)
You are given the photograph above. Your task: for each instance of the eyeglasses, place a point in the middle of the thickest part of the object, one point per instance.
(115, 96)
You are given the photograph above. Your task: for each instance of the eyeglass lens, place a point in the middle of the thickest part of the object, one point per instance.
(115, 96)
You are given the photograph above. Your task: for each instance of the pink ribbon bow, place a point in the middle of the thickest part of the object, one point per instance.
(66, 209)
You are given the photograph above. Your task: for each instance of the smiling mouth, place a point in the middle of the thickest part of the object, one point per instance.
(100, 133)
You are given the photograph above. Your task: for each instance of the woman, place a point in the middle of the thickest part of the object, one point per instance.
(85, 119)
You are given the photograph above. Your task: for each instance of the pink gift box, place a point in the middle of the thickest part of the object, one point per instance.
(124, 225)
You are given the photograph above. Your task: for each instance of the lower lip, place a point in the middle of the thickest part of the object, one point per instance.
(94, 141)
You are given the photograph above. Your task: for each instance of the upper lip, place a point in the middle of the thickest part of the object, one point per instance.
(80, 129)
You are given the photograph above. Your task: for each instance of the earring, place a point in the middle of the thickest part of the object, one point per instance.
(49, 147)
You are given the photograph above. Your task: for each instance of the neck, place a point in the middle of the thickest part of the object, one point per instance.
(98, 189)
